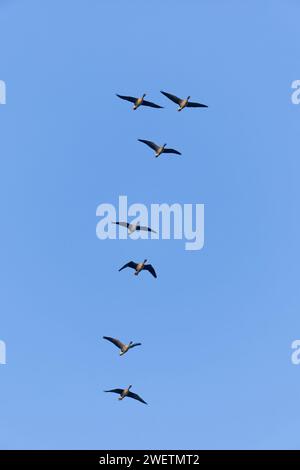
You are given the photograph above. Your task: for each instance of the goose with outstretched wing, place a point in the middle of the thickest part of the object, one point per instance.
(159, 149)
(125, 392)
(183, 103)
(138, 267)
(134, 227)
(137, 102)
(123, 347)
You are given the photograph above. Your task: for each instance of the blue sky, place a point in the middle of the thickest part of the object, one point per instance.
(217, 325)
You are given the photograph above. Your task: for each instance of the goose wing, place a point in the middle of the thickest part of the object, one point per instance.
(132, 99)
(123, 224)
(135, 396)
(149, 267)
(131, 264)
(136, 344)
(150, 104)
(173, 98)
(192, 104)
(166, 150)
(115, 341)
(150, 144)
(145, 229)
(115, 390)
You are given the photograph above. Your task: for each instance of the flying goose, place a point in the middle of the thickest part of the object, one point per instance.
(159, 149)
(125, 392)
(123, 347)
(133, 227)
(139, 101)
(183, 103)
(138, 267)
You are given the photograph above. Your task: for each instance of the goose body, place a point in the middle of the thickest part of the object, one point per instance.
(159, 149)
(183, 103)
(138, 267)
(125, 392)
(137, 102)
(123, 347)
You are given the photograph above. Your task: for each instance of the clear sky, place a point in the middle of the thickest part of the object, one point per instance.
(217, 325)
